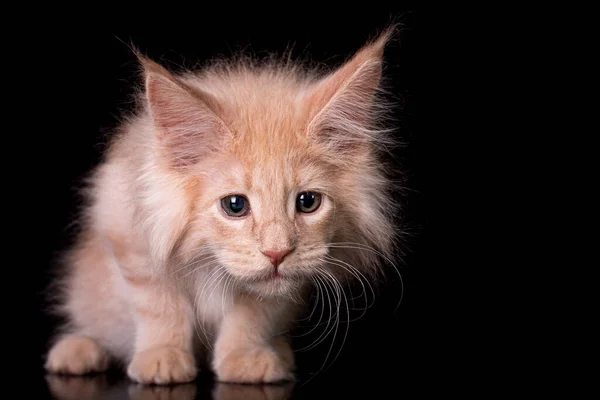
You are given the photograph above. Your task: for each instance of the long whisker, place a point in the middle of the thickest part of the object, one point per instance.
(207, 265)
(357, 274)
(315, 303)
(229, 282)
(335, 286)
(193, 262)
(216, 274)
(326, 331)
(184, 266)
(343, 293)
(218, 280)
(328, 285)
(360, 277)
(197, 299)
(319, 290)
(362, 246)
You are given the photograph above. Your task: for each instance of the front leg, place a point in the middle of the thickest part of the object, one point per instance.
(246, 350)
(163, 342)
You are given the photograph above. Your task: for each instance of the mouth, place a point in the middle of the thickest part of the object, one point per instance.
(274, 283)
(273, 277)
(276, 275)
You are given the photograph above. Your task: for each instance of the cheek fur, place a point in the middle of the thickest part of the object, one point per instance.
(228, 231)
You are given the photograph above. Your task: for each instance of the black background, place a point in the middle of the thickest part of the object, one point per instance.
(80, 80)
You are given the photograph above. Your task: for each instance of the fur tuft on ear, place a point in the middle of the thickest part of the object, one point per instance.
(185, 119)
(344, 111)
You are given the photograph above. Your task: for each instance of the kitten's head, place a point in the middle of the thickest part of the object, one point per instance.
(279, 165)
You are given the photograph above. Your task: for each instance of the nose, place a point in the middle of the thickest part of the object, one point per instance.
(277, 256)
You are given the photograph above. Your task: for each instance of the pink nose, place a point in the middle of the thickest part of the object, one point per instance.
(277, 257)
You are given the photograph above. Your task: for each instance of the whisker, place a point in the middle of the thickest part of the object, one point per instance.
(347, 324)
(357, 274)
(362, 246)
(334, 286)
(327, 285)
(223, 277)
(314, 305)
(326, 331)
(217, 274)
(192, 262)
(197, 299)
(318, 286)
(208, 265)
(229, 281)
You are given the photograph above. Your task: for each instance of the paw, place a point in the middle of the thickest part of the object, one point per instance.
(162, 365)
(76, 355)
(252, 365)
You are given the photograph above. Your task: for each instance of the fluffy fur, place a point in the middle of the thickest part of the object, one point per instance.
(161, 277)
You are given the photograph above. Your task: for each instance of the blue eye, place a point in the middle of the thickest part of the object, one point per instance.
(235, 205)
(308, 202)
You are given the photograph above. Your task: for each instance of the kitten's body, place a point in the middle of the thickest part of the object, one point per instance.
(161, 274)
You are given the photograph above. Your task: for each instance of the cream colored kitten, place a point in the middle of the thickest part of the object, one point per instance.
(216, 207)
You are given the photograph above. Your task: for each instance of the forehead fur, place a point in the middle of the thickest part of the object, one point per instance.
(265, 108)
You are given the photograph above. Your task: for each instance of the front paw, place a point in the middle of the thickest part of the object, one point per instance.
(76, 355)
(162, 365)
(252, 365)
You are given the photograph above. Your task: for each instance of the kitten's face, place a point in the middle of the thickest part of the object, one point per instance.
(282, 165)
(269, 222)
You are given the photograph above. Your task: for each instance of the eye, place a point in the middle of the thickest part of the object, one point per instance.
(235, 205)
(308, 202)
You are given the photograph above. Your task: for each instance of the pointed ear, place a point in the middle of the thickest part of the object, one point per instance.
(343, 107)
(185, 119)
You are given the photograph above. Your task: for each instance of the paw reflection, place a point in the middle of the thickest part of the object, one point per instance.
(64, 387)
(176, 392)
(98, 387)
(101, 387)
(232, 391)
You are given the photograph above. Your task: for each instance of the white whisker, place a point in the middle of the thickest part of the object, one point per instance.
(340, 289)
(314, 305)
(362, 246)
(360, 278)
(197, 299)
(326, 331)
(318, 286)
(215, 274)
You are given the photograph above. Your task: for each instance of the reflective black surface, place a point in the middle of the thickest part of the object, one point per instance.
(115, 386)
(103, 387)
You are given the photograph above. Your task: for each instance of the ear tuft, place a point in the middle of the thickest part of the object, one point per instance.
(343, 106)
(185, 119)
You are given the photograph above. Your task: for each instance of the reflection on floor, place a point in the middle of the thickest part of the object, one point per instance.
(102, 387)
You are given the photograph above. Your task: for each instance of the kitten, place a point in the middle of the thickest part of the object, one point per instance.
(219, 204)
